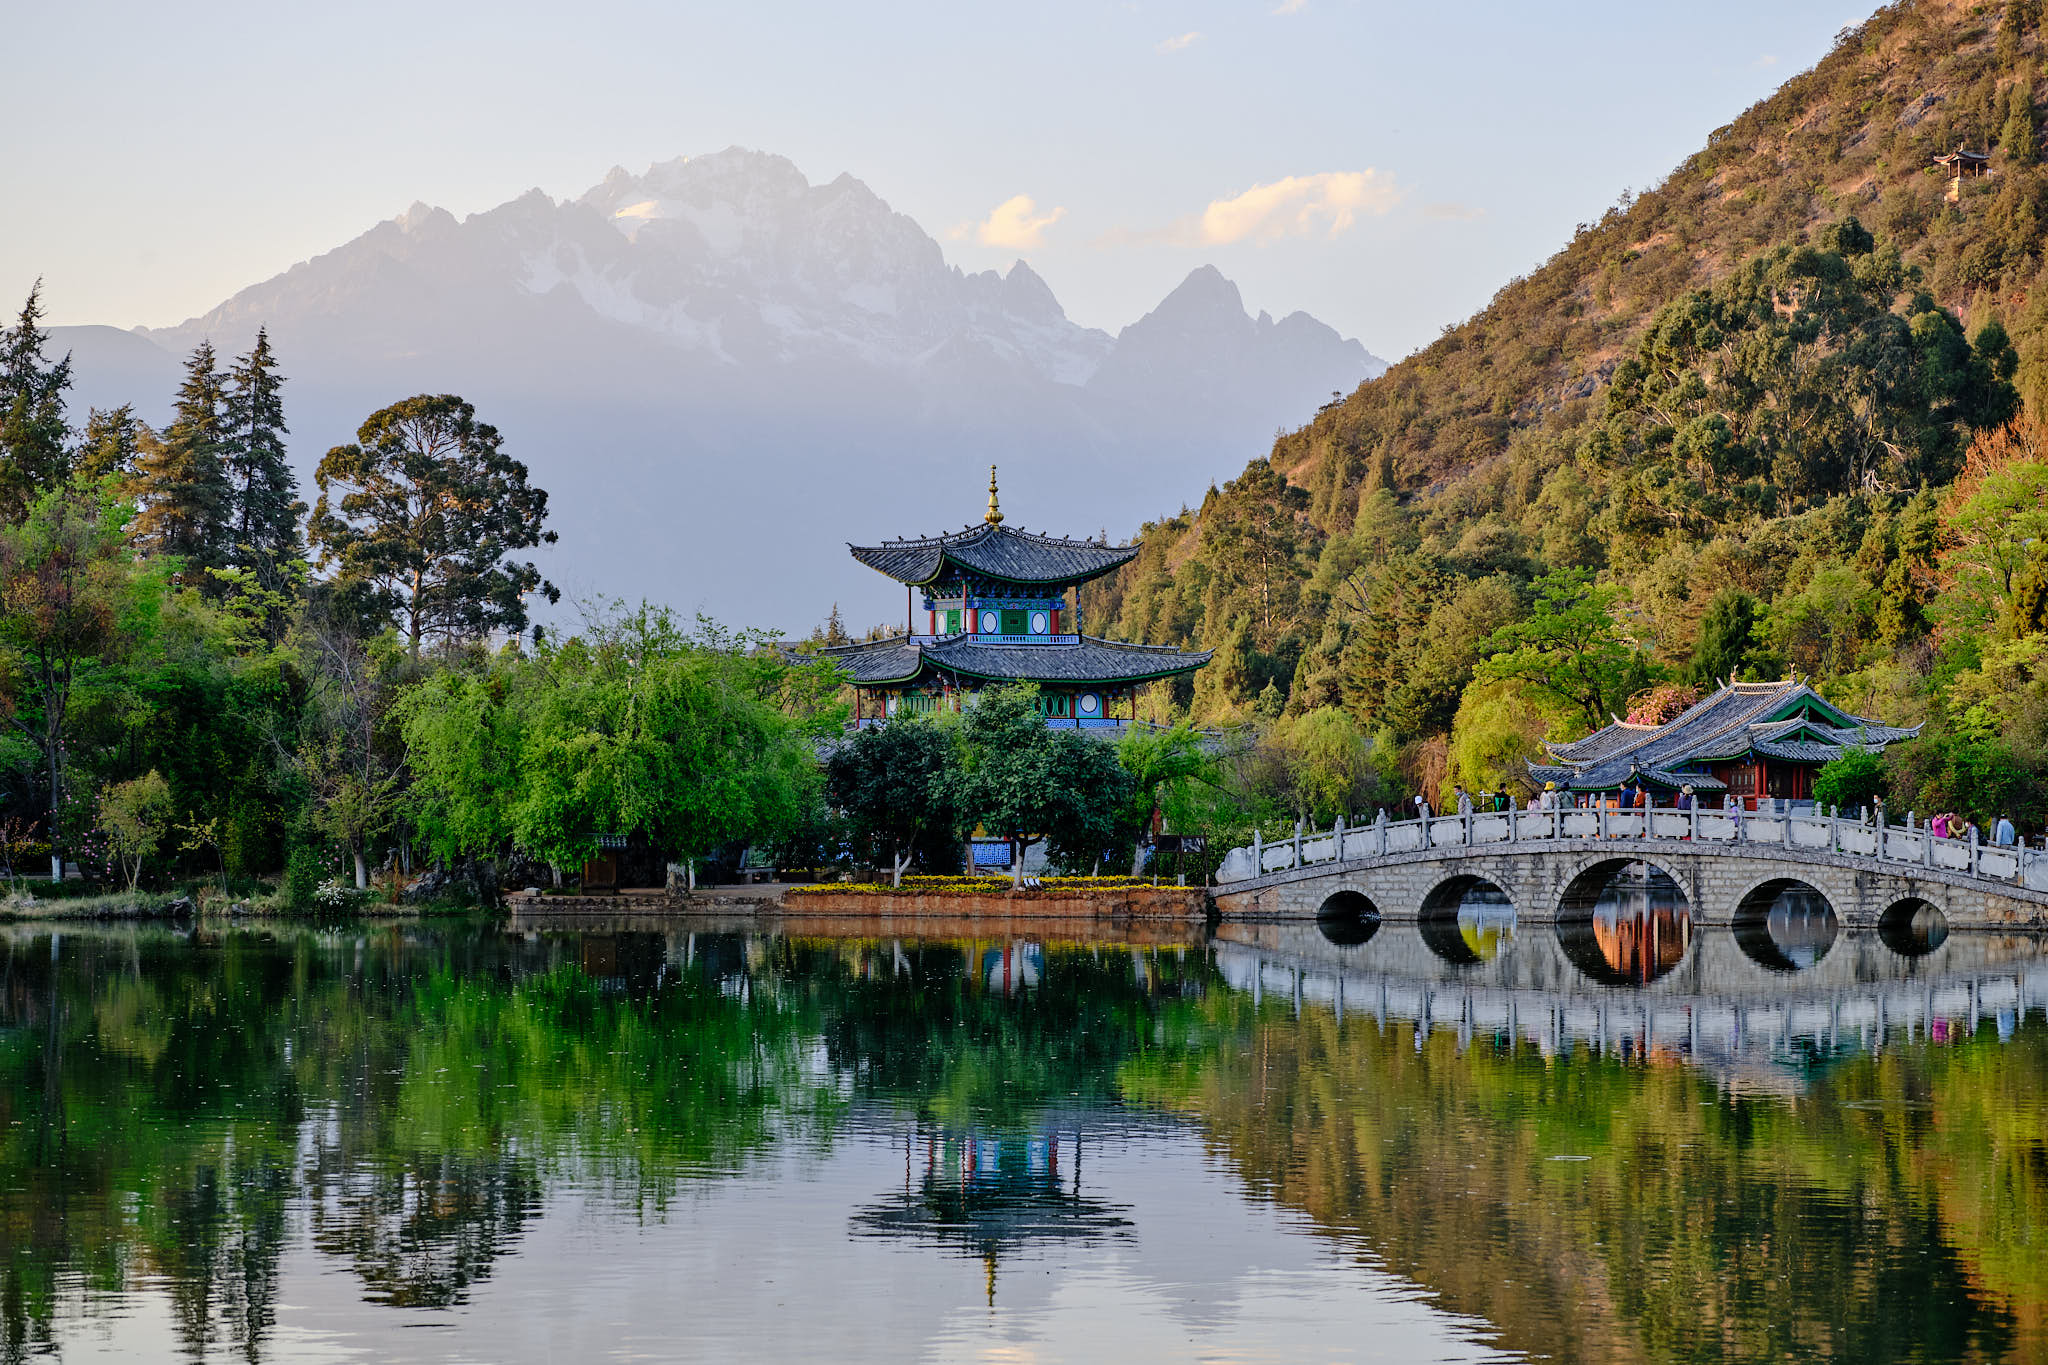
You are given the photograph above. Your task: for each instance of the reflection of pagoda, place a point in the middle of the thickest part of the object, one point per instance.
(988, 1196)
(995, 608)
(1628, 929)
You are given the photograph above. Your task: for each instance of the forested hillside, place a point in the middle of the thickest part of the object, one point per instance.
(1782, 411)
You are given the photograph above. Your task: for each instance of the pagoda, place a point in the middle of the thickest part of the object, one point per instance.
(995, 607)
(1749, 741)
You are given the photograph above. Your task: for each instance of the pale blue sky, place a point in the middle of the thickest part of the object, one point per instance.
(1392, 164)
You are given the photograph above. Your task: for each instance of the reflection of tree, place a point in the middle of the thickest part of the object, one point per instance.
(1702, 1227)
(420, 1229)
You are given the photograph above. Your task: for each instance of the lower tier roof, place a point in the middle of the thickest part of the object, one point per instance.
(1085, 659)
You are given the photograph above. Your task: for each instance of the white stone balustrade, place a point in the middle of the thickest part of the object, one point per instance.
(1887, 848)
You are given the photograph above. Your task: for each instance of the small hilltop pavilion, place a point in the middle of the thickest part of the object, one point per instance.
(996, 608)
(1749, 741)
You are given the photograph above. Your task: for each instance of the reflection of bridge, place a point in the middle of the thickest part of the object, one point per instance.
(1722, 1007)
(1542, 861)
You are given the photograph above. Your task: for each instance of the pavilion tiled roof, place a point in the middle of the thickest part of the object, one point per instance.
(994, 551)
(1083, 659)
(1738, 720)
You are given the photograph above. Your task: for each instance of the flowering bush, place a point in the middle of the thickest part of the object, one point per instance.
(966, 886)
(335, 894)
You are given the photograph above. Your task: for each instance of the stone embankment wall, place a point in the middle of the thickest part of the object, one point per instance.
(1179, 903)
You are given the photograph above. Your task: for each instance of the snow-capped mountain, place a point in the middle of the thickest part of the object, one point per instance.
(717, 346)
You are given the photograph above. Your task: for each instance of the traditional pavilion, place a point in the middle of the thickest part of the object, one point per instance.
(1962, 164)
(994, 604)
(1748, 741)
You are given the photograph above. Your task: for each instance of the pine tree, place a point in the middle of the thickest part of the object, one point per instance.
(2019, 140)
(265, 491)
(180, 480)
(34, 439)
(110, 444)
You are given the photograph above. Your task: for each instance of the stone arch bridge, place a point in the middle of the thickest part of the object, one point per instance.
(1543, 862)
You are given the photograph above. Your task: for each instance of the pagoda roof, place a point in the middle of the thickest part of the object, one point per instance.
(1075, 659)
(1786, 720)
(991, 550)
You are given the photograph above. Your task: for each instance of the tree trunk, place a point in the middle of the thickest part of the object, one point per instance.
(56, 795)
(362, 873)
(1017, 865)
(896, 866)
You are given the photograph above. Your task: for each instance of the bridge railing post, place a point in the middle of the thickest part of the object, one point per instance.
(1695, 813)
(1380, 825)
(1258, 855)
(1337, 837)
(1297, 844)
(1976, 854)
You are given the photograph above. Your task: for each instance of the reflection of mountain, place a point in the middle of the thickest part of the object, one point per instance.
(675, 353)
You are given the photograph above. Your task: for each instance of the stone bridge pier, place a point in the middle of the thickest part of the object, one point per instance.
(1545, 879)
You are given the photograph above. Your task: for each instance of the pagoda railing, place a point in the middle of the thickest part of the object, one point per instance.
(985, 637)
(1887, 846)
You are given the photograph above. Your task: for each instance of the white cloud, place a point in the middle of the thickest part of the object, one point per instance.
(1768, 59)
(1176, 44)
(1297, 206)
(1452, 211)
(1015, 223)
(1290, 6)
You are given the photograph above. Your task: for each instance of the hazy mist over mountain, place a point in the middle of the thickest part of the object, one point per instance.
(722, 373)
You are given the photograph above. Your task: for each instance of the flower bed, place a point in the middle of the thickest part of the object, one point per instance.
(969, 886)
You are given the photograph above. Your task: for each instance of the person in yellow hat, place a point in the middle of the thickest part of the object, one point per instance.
(1549, 796)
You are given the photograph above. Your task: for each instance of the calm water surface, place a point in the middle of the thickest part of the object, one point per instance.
(693, 1140)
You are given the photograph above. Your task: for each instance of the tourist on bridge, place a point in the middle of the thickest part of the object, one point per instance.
(1464, 801)
(2003, 834)
(1548, 801)
(1684, 801)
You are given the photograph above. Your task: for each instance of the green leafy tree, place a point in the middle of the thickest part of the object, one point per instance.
(2020, 140)
(1499, 731)
(265, 492)
(633, 726)
(1725, 641)
(1026, 783)
(897, 784)
(1807, 371)
(65, 582)
(1851, 781)
(1326, 765)
(1159, 763)
(185, 504)
(136, 814)
(34, 438)
(1571, 648)
(419, 516)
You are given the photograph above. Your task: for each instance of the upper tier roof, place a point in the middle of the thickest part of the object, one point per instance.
(994, 551)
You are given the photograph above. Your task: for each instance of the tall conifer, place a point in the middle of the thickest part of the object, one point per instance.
(266, 504)
(34, 439)
(110, 444)
(181, 481)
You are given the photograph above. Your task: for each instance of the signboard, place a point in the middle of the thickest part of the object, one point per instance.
(1181, 843)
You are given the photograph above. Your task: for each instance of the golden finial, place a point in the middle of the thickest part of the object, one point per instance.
(995, 513)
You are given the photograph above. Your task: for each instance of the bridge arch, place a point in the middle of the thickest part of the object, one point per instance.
(1785, 924)
(1466, 918)
(1348, 918)
(1913, 926)
(1624, 921)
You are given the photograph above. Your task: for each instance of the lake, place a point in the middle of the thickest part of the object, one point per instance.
(840, 1141)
